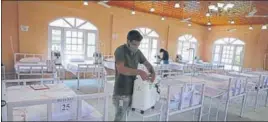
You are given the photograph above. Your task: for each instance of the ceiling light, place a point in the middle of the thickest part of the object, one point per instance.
(264, 27)
(250, 28)
(133, 12)
(177, 5)
(209, 28)
(220, 5)
(189, 24)
(152, 9)
(163, 18)
(215, 9)
(225, 8)
(211, 6)
(232, 22)
(209, 23)
(85, 3)
(230, 5)
(207, 14)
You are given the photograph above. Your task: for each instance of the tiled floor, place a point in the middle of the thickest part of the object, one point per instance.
(90, 86)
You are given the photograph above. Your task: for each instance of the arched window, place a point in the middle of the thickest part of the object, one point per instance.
(73, 37)
(230, 52)
(149, 45)
(187, 47)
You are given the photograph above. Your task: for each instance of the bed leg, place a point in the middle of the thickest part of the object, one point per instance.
(243, 104)
(78, 77)
(217, 113)
(266, 100)
(256, 100)
(194, 114)
(18, 78)
(209, 109)
(226, 110)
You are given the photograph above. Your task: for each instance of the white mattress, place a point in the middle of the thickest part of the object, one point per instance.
(175, 66)
(26, 67)
(219, 77)
(110, 64)
(73, 66)
(258, 72)
(38, 112)
(244, 74)
(197, 79)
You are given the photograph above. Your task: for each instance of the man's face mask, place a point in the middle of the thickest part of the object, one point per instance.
(133, 46)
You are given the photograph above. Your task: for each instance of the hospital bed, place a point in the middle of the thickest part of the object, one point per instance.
(226, 90)
(33, 65)
(258, 82)
(82, 67)
(183, 97)
(109, 63)
(49, 102)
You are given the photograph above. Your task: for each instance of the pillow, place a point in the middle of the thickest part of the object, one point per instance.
(30, 60)
(77, 60)
(109, 59)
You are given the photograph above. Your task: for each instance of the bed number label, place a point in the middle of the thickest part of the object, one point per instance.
(64, 104)
(65, 107)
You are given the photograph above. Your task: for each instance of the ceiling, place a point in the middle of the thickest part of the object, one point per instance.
(196, 10)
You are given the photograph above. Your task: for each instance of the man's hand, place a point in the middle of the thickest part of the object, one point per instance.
(152, 77)
(151, 70)
(143, 74)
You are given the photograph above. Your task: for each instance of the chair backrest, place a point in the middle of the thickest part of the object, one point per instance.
(237, 86)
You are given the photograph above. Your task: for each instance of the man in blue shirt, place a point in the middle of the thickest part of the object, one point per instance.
(165, 56)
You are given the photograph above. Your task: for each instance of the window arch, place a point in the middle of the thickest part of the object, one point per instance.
(185, 42)
(150, 43)
(73, 37)
(230, 52)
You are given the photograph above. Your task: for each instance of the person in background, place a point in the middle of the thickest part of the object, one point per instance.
(165, 56)
(127, 58)
(178, 58)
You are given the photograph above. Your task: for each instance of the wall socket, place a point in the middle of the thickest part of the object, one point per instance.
(24, 28)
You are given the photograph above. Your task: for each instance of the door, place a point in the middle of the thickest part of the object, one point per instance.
(238, 58)
(91, 43)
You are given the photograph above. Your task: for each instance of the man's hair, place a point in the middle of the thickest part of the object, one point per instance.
(162, 50)
(134, 35)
